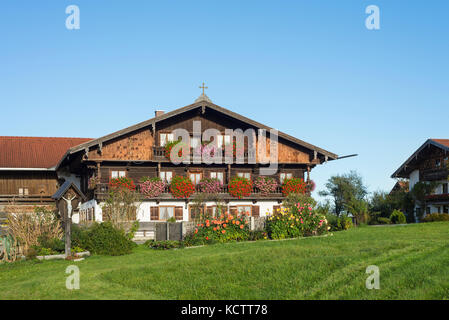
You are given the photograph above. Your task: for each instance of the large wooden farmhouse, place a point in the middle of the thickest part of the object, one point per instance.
(429, 163)
(139, 151)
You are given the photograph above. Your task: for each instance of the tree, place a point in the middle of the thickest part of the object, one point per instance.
(421, 190)
(359, 209)
(344, 189)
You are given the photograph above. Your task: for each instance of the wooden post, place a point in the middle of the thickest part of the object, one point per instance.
(68, 237)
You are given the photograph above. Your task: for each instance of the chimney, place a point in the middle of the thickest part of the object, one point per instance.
(158, 113)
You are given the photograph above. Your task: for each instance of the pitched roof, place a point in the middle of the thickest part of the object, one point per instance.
(199, 104)
(63, 189)
(403, 170)
(34, 152)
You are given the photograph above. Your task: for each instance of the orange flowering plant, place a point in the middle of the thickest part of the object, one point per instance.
(223, 228)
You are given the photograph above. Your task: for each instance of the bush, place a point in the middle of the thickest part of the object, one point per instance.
(105, 239)
(397, 217)
(345, 222)
(257, 235)
(339, 223)
(433, 217)
(382, 220)
(164, 245)
(79, 236)
(224, 228)
(55, 244)
(295, 221)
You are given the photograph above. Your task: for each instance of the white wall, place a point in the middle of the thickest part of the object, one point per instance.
(414, 178)
(143, 209)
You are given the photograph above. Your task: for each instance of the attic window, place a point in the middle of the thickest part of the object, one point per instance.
(165, 137)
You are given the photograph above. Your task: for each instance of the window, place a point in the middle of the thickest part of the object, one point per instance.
(437, 163)
(165, 137)
(166, 213)
(223, 140)
(246, 175)
(445, 188)
(23, 192)
(217, 175)
(195, 177)
(117, 174)
(194, 142)
(285, 176)
(166, 176)
(244, 209)
(446, 209)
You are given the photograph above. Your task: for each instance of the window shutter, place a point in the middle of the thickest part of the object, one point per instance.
(179, 213)
(210, 212)
(233, 210)
(255, 211)
(154, 213)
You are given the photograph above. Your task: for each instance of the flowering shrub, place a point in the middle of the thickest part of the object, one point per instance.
(118, 184)
(266, 185)
(224, 228)
(181, 187)
(294, 185)
(240, 187)
(298, 220)
(152, 188)
(210, 185)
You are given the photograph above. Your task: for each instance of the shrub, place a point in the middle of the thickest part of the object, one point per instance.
(210, 185)
(345, 222)
(31, 253)
(79, 236)
(257, 235)
(433, 217)
(295, 221)
(182, 187)
(383, 220)
(55, 244)
(266, 185)
(164, 245)
(294, 185)
(224, 228)
(104, 238)
(240, 187)
(27, 228)
(152, 187)
(397, 217)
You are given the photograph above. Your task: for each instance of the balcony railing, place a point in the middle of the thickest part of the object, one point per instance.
(102, 191)
(159, 154)
(434, 174)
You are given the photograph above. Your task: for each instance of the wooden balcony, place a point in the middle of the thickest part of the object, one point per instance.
(159, 154)
(25, 199)
(434, 174)
(101, 193)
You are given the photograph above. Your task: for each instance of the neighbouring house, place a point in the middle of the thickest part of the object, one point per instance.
(429, 163)
(28, 170)
(139, 151)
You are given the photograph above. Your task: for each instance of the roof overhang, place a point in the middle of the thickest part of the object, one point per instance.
(27, 169)
(401, 172)
(329, 156)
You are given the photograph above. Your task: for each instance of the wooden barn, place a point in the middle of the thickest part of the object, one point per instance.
(28, 169)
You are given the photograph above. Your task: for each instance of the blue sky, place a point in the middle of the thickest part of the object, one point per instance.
(308, 68)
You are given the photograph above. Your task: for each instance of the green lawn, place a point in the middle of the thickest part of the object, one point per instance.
(413, 262)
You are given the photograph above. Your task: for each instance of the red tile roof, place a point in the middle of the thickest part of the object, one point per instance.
(34, 152)
(444, 142)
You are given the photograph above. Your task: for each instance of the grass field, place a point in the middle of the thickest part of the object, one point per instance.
(413, 262)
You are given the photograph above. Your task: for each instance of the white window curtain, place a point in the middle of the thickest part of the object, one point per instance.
(166, 213)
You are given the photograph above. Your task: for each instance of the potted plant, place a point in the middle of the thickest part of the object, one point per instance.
(182, 187)
(266, 185)
(152, 187)
(240, 187)
(294, 185)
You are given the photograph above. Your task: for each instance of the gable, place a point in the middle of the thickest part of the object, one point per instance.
(135, 142)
